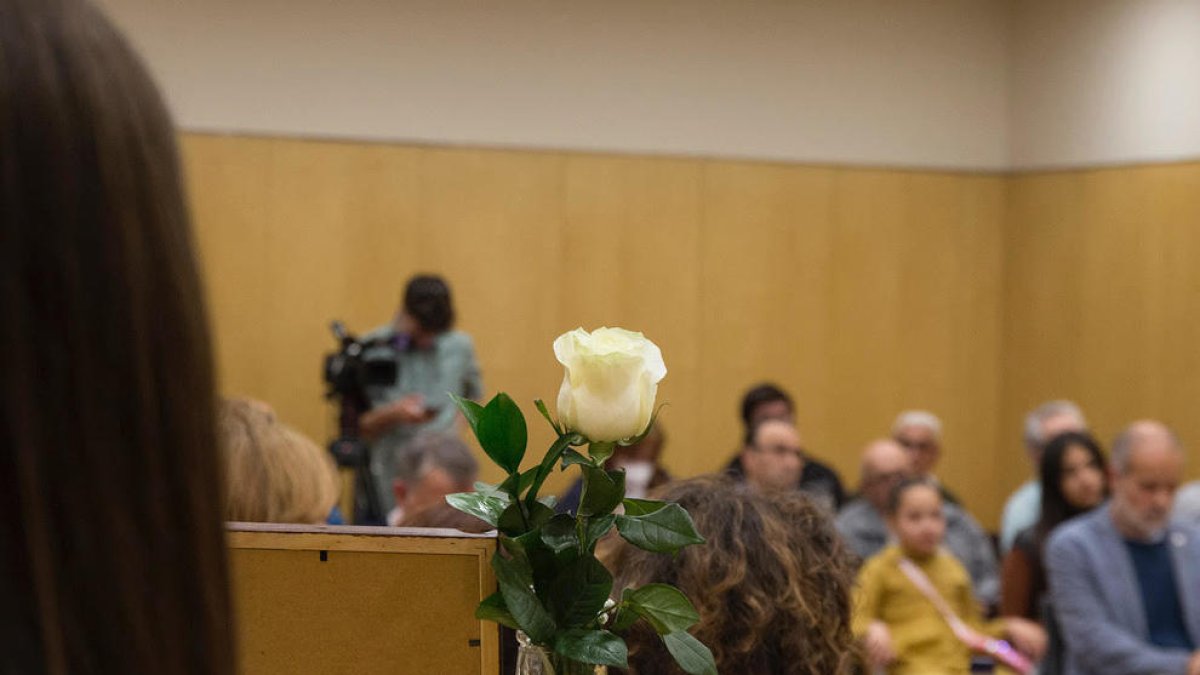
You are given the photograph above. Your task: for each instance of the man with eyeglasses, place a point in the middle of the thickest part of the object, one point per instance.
(773, 459)
(920, 433)
(861, 522)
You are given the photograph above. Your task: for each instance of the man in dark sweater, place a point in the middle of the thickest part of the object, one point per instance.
(767, 401)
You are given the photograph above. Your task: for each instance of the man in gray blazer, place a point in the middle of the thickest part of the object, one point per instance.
(1123, 579)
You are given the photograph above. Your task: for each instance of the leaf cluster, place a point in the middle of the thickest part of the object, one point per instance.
(551, 585)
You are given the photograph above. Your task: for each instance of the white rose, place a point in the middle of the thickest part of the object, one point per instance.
(611, 380)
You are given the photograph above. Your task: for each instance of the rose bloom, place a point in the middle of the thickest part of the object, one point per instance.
(611, 379)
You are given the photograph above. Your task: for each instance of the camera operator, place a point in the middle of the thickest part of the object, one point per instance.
(432, 359)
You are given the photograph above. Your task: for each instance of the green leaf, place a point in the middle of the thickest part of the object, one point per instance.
(663, 531)
(546, 413)
(485, 507)
(502, 432)
(664, 607)
(492, 609)
(516, 587)
(470, 410)
(513, 524)
(600, 451)
(579, 592)
(516, 484)
(570, 457)
(624, 619)
(559, 533)
(691, 654)
(641, 507)
(598, 647)
(552, 454)
(596, 529)
(602, 491)
(549, 501)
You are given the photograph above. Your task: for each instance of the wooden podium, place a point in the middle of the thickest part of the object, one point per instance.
(334, 599)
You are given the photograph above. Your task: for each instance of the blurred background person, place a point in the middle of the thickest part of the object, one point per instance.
(863, 524)
(1122, 577)
(1042, 424)
(433, 466)
(771, 585)
(766, 401)
(112, 546)
(274, 474)
(910, 596)
(920, 433)
(1074, 478)
(432, 359)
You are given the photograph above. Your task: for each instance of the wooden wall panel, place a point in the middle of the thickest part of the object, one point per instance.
(861, 291)
(1102, 302)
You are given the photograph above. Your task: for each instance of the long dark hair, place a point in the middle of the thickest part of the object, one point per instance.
(772, 583)
(112, 556)
(1055, 507)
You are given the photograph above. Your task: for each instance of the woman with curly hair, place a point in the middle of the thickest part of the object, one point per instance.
(772, 584)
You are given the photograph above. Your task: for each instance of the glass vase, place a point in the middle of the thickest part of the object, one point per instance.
(536, 660)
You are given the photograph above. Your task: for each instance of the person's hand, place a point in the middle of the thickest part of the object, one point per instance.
(411, 409)
(1028, 637)
(1194, 663)
(878, 642)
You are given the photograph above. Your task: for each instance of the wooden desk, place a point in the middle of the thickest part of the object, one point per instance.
(334, 599)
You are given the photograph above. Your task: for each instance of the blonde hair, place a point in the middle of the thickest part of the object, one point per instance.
(274, 474)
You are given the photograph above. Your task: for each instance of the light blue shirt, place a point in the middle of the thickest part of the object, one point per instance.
(448, 366)
(1022, 510)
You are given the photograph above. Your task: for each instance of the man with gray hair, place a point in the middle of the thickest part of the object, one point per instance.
(1042, 424)
(1122, 577)
(432, 466)
(920, 433)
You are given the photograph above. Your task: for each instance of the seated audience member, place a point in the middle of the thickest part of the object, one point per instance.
(771, 585)
(432, 466)
(910, 596)
(274, 474)
(766, 401)
(920, 433)
(773, 459)
(1187, 504)
(112, 544)
(1074, 481)
(1041, 425)
(1123, 577)
(642, 469)
(861, 522)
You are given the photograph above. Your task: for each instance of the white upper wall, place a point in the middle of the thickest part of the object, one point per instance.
(1105, 82)
(960, 84)
(915, 83)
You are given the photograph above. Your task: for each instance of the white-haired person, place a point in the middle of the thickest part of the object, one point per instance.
(1042, 424)
(919, 432)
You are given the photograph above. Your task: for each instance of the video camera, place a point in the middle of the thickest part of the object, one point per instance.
(348, 372)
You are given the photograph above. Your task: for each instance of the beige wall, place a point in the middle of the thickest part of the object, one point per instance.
(1102, 299)
(861, 291)
(1104, 82)
(878, 82)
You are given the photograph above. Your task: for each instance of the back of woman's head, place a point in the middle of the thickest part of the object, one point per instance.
(772, 583)
(274, 474)
(112, 551)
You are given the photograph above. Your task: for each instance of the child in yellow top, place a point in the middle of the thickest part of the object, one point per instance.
(902, 631)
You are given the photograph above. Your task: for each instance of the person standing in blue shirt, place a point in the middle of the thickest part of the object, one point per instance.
(433, 360)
